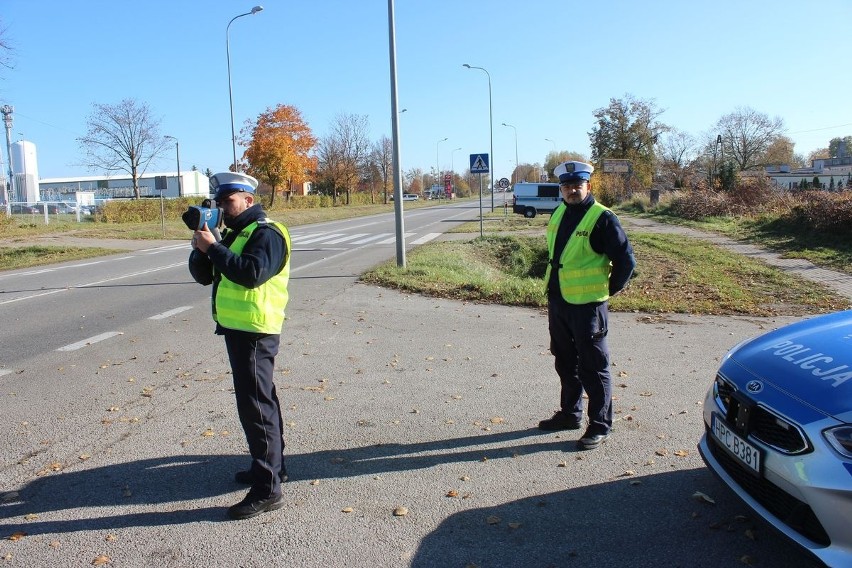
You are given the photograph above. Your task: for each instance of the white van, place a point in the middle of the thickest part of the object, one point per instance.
(533, 198)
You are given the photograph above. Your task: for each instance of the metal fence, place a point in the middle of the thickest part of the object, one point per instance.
(46, 211)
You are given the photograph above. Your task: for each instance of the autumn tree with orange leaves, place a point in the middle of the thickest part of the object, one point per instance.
(278, 148)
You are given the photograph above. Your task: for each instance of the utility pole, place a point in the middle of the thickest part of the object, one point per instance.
(7, 119)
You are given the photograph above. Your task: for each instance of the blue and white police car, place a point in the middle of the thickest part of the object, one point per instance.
(778, 431)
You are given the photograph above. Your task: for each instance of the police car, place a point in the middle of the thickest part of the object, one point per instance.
(778, 431)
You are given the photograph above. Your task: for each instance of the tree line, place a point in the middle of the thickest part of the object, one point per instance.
(282, 152)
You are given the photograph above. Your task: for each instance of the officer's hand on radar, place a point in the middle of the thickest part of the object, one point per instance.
(202, 239)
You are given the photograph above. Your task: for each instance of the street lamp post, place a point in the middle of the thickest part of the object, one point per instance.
(517, 165)
(254, 10)
(177, 156)
(437, 165)
(552, 142)
(490, 130)
(453, 169)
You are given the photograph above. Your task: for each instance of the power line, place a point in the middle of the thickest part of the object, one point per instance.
(823, 128)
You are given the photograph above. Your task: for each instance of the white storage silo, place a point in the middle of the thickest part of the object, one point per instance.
(25, 171)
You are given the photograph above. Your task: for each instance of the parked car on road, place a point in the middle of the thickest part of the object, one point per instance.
(54, 208)
(778, 431)
(22, 208)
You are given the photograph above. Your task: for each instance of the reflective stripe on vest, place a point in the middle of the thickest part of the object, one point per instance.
(583, 273)
(258, 309)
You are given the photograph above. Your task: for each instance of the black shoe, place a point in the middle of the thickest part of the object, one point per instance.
(253, 506)
(559, 421)
(246, 478)
(591, 441)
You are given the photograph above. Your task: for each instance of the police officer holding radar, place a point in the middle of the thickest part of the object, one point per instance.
(589, 260)
(249, 269)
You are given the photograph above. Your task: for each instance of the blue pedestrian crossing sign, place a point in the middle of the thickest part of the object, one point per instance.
(479, 163)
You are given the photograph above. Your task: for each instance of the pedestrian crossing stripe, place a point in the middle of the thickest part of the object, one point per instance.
(358, 238)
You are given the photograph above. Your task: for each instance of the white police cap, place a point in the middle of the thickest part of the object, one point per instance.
(229, 182)
(573, 171)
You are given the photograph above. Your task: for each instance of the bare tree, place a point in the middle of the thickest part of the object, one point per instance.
(677, 156)
(382, 158)
(122, 138)
(5, 49)
(747, 136)
(342, 154)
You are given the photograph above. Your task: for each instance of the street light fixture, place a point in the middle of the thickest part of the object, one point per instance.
(254, 10)
(517, 165)
(177, 156)
(552, 142)
(490, 129)
(437, 165)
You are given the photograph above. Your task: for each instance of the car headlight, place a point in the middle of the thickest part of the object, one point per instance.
(841, 439)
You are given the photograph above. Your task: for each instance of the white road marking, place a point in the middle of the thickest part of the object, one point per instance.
(344, 239)
(170, 313)
(425, 238)
(315, 239)
(4, 302)
(132, 274)
(392, 240)
(6, 372)
(371, 238)
(90, 341)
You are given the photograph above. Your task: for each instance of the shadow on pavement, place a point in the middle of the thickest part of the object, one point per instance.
(390, 457)
(165, 482)
(651, 521)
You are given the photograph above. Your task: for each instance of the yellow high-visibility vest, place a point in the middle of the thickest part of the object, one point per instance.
(258, 309)
(583, 273)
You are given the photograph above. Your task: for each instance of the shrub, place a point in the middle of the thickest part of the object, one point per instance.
(823, 211)
(750, 196)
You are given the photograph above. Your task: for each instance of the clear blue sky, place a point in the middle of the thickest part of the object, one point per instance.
(552, 64)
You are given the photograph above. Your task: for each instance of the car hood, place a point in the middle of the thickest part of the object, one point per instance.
(810, 360)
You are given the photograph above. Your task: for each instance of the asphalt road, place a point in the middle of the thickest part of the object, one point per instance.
(121, 437)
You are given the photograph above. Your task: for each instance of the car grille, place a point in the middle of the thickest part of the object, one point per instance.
(794, 513)
(765, 426)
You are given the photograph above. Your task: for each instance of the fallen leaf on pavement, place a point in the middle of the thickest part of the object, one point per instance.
(699, 496)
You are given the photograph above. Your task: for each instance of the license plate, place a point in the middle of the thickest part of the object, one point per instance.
(748, 455)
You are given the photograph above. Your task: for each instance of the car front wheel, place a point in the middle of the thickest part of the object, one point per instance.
(529, 212)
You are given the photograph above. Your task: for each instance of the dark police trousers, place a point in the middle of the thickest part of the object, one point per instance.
(252, 357)
(578, 343)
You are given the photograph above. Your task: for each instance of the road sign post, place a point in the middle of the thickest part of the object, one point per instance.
(479, 165)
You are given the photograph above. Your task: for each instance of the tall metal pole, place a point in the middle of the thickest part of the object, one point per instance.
(177, 157)
(397, 171)
(490, 131)
(254, 10)
(7, 119)
(517, 165)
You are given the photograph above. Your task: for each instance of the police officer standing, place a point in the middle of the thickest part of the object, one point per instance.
(249, 270)
(589, 260)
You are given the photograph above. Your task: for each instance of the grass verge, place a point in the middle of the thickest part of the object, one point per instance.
(24, 257)
(674, 274)
(785, 238)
